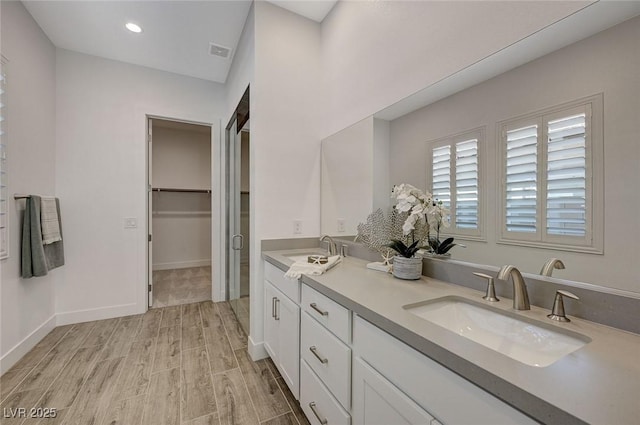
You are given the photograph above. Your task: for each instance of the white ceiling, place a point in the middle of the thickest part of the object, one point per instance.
(175, 37)
(316, 10)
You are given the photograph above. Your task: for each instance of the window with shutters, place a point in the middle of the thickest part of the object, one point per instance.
(551, 167)
(454, 170)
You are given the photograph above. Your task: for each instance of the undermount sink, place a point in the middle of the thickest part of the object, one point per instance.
(522, 340)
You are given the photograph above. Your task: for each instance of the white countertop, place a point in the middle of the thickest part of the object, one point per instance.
(597, 384)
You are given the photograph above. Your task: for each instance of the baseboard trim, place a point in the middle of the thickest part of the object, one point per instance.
(256, 350)
(182, 264)
(20, 349)
(80, 316)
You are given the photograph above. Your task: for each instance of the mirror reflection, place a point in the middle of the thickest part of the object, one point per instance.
(555, 150)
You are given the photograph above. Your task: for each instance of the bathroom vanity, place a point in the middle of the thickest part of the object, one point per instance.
(355, 348)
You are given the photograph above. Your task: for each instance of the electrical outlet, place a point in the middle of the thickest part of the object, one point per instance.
(297, 227)
(341, 225)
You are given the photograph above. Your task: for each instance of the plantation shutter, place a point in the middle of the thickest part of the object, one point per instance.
(466, 171)
(521, 179)
(566, 176)
(441, 174)
(553, 177)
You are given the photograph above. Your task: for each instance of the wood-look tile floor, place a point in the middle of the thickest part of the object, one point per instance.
(181, 286)
(175, 365)
(241, 307)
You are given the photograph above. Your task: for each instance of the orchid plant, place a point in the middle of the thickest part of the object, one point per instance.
(424, 211)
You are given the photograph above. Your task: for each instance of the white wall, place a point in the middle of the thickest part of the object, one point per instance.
(181, 230)
(608, 62)
(27, 305)
(181, 221)
(101, 174)
(375, 53)
(181, 158)
(242, 69)
(285, 141)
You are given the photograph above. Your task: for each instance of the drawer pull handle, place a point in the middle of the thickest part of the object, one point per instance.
(316, 308)
(312, 405)
(314, 350)
(273, 307)
(277, 309)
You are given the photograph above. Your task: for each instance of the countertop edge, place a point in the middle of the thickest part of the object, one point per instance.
(532, 406)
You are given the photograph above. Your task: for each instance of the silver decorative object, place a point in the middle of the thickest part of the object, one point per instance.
(379, 230)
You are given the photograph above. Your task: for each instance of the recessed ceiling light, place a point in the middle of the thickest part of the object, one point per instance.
(133, 27)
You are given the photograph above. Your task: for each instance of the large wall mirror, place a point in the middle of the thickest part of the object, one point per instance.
(575, 88)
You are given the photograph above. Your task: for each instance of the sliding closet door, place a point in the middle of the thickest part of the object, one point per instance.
(238, 210)
(234, 236)
(150, 213)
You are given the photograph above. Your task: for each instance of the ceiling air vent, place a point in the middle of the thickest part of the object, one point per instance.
(218, 50)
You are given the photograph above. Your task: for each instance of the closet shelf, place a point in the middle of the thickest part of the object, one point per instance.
(168, 189)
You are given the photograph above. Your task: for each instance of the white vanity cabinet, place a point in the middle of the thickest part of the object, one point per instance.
(282, 325)
(345, 370)
(397, 384)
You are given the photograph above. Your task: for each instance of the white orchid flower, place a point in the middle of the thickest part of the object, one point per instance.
(422, 207)
(409, 224)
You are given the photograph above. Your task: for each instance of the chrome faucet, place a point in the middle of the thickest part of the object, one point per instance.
(552, 263)
(332, 249)
(520, 295)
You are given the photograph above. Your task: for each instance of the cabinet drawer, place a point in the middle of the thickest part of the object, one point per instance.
(317, 402)
(332, 315)
(329, 358)
(291, 288)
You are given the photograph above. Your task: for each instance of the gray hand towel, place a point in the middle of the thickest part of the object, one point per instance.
(38, 259)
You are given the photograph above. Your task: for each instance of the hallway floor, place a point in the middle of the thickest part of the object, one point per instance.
(181, 286)
(175, 365)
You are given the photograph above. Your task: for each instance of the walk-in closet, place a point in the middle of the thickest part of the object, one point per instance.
(180, 206)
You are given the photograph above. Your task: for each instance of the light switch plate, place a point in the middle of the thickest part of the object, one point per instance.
(130, 223)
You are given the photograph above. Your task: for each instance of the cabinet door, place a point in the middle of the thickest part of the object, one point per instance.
(376, 401)
(288, 315)
(270, 322)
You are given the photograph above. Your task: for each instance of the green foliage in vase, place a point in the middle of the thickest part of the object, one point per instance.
(402, 249)
(440, 248)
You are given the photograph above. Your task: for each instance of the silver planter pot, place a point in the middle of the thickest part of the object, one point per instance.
(407, 268)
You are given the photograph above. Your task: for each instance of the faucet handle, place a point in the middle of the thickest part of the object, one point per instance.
(557, 312)
(491, 289)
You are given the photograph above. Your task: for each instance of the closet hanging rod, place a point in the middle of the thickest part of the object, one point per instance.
(166, 189)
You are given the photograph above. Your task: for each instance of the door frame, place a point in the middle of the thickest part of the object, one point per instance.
(217, 207)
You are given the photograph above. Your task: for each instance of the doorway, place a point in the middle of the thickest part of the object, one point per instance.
(238, 212)
(179, 219)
